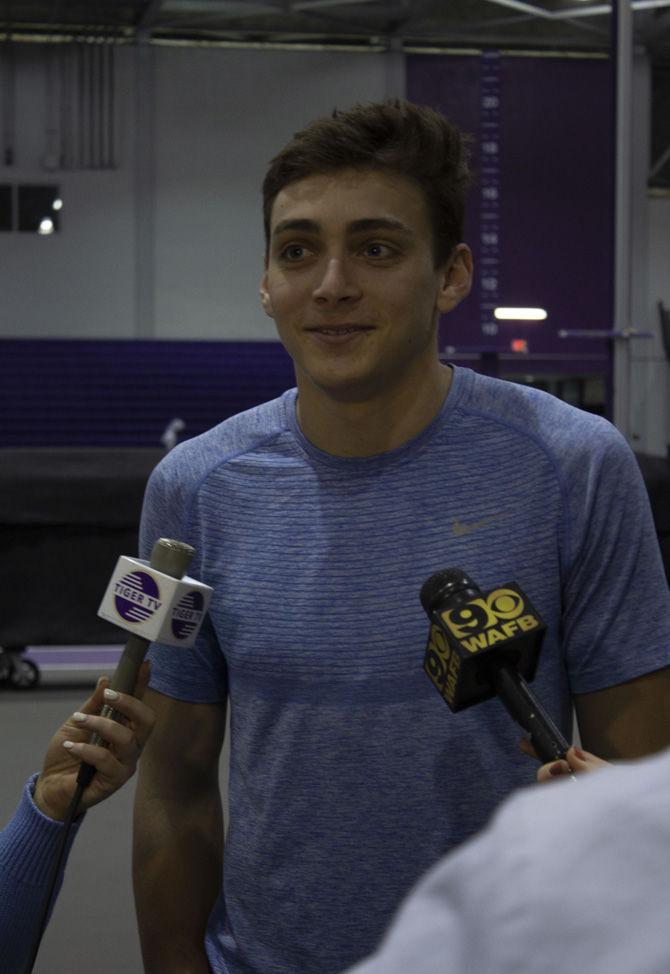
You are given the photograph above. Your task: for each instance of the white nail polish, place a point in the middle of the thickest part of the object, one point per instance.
(80, 717)
(110, 694)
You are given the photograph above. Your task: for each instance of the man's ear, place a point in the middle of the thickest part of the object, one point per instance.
(457, 278)
(265, 296)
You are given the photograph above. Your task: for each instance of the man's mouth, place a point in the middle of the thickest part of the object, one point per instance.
(338, 329)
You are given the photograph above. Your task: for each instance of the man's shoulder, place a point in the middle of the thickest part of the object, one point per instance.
(561, 429)
(233, 437)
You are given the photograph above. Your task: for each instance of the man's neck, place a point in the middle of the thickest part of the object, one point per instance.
(374, 425)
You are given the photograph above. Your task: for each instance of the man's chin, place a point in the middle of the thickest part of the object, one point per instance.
(345, 389)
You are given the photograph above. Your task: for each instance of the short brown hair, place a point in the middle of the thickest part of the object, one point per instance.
(394, 135)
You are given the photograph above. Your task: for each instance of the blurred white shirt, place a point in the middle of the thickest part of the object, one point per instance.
(568, 877)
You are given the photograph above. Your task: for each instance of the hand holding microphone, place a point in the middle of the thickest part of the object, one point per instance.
(115, 762)
(576, 762)
(154, 601)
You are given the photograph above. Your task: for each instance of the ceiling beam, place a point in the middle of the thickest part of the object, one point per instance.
(526, 8)
(593, 10)
(307, 5)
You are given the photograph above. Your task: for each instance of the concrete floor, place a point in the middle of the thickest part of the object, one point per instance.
(93, 925)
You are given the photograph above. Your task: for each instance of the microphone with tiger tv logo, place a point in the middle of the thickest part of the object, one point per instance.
(155, 601)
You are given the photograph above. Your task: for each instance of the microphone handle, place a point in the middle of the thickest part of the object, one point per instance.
(524, 707)
(171, 558)
(125, 676)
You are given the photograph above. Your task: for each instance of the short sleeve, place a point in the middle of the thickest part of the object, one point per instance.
(197, 675)
(616, 603)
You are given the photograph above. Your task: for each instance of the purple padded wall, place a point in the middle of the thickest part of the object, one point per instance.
(556, 199)
(123, 393)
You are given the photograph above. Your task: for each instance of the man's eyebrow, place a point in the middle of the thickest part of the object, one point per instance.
(306, 226)
(378, 223)
(356, 226)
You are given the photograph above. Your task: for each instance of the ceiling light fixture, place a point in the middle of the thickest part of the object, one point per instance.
(520, 314)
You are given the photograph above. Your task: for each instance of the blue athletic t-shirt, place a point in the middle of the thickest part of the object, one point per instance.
(349, 776)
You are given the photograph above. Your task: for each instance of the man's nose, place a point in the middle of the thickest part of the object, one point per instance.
(336, 282)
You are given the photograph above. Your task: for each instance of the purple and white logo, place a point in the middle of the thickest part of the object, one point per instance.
(187, 615)
(137, 597)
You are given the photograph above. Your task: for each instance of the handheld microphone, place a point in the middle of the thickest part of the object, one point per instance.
(487, 644)
(155, 601)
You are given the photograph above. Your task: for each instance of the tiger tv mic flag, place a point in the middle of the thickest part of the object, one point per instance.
(155, 601)
(150, 600)
(487, 644)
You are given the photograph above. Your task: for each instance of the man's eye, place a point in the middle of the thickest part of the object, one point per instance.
(293, 252)
(378, 250)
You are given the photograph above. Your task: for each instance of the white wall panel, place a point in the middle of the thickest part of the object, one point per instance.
(77, 283)
(220, 117)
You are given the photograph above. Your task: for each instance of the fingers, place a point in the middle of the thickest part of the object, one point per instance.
(113, 769)
(553, 770)
(119, 736)
(116, 762)
(527, 748)
(130, 706)
(123, 736)
(138, 724)
(142, 679)
(140, 717)
(96, 701)
(577, 761)
(582, 761)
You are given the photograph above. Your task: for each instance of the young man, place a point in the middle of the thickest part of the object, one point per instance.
(317, 518)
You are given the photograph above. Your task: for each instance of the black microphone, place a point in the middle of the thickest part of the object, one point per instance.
(487, 644)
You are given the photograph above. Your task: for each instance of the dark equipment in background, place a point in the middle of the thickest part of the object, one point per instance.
(664, 315)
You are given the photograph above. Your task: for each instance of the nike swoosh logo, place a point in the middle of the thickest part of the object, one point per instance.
(461, 529)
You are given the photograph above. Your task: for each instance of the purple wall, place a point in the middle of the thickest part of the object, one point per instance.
(123, 393)
(554, 213)
(555, 208)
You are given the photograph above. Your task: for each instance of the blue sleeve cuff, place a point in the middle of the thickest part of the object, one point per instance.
(29, 842)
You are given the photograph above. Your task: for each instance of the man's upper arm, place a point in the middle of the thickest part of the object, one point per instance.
(629, 720)
(184, 747)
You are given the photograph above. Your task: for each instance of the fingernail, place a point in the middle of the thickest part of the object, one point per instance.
(110, 694)
(580, 754)
(556, 769)
(68, 744)
(80, 717)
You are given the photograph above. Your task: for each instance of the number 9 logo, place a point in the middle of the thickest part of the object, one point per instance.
(501, 605)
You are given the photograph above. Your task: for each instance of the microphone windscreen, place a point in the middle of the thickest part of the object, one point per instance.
(443, 586)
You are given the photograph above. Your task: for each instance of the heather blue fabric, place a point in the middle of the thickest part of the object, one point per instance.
(28, 847)
(349, 775)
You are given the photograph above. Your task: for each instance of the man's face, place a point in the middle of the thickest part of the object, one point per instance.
(351, 283)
